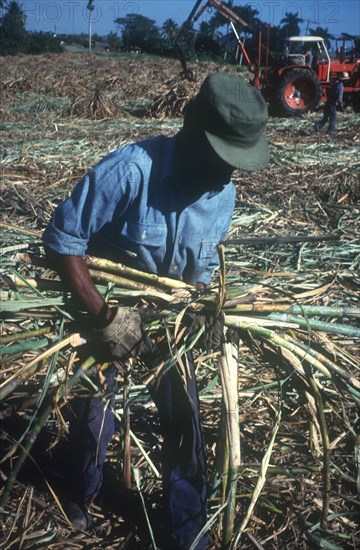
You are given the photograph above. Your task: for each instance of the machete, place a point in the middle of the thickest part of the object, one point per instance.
(249, 241)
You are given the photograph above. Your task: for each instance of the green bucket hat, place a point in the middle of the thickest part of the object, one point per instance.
(233, 116)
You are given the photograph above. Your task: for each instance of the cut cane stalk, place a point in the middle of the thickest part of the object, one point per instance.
(229, 380)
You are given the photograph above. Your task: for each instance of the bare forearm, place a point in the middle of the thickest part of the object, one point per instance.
(75, 275)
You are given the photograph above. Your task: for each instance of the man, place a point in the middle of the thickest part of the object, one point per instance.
(308, 55)
(162, 206)
(334, 99)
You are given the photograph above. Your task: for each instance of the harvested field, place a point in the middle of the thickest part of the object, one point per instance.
(298, 481)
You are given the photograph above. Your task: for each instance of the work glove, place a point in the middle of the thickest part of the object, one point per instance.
(233, 336)
(213, 334)
(125, 337)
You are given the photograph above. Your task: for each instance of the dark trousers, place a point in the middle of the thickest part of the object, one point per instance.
(329, 116)
(184, 481)
(91, 427)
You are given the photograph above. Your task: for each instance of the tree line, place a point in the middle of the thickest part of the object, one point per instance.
(15, 39)
(212, 39)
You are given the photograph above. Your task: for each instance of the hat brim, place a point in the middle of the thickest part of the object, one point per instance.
(249, 159)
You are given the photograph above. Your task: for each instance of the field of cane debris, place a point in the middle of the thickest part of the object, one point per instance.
(291, 479)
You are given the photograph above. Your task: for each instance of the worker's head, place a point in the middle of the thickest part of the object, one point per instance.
(230, 116)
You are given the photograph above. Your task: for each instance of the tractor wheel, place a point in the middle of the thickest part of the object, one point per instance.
(297, 92)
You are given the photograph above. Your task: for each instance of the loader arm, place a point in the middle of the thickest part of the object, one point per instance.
(194, 15)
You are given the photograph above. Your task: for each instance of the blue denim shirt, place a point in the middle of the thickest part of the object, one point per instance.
(132, 208)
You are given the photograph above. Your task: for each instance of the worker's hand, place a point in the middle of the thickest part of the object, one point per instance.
(233, 336)
(201, 287)
(125, 337)
(213, 334)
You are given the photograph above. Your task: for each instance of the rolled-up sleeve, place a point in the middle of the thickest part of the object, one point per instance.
(104, 192)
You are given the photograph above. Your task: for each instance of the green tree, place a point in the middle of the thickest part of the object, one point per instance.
(114, 41)
(247, 13)
(139, 31)
(12, 30)
(250, 17)
(276, 43)
(187, 41)
(39, 42)
(324, 33)
(207, 40)
(169, 30)
(290, 24)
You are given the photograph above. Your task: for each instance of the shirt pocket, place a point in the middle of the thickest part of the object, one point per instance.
(208, 249)
(139, 234)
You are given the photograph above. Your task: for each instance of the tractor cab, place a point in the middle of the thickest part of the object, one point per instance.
(308, 51)
(311, 52)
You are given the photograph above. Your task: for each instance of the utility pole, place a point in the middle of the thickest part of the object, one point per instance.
(91, 8)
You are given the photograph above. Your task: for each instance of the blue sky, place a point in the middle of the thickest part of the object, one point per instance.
(70, 16)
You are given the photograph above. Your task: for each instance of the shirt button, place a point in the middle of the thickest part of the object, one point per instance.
(143, 235)
(174, 267)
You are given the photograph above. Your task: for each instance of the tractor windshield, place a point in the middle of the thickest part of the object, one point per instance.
(305, 50)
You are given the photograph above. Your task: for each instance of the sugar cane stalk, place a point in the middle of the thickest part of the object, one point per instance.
(21, 347)
(273, 338)
(11, 383)
(126, 431)
(229, 381)
(24, 335)
(221, 465)
(259, 484)
(326, 445)
(102, 276)
(320, 311)
(317, 325)
(120, 269)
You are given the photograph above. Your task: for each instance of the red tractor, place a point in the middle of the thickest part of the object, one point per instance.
(300, 81)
